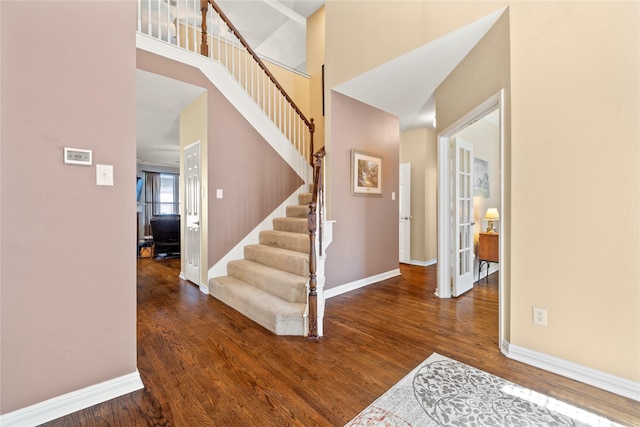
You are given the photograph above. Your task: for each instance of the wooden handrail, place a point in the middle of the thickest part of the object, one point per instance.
(315, 206)
(234, 30)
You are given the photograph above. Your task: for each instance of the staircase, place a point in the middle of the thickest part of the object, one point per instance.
(269, 285)
(279, 283)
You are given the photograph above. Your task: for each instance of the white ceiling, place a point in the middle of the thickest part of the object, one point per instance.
(159, 101)
(277, 30)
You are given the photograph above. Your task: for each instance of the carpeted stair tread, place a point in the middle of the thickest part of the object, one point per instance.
(275, 314)
(294, 225)
(297, 211)
(289, 287)
(284, 239)
(282, 259)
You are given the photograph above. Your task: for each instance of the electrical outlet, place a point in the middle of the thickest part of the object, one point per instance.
(539, 316)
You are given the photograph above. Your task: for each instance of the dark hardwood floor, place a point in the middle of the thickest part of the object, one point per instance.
(203, 364)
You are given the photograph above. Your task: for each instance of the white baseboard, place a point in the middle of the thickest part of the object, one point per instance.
(347, 287)
(423, 263)
(590, 376)
(68, 403)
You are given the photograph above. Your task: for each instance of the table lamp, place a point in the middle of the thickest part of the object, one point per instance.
(491, 216)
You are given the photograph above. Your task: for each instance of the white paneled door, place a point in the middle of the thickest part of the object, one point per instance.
(405, 213)
(192, 212)
(462, 212)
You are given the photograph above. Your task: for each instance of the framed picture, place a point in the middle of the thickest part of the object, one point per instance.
(366, 174)
(481, 178)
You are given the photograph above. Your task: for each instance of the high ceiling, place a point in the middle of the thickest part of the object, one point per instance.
(276, 30)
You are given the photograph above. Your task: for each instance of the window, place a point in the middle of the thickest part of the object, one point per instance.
(162, 196)
(169, 197)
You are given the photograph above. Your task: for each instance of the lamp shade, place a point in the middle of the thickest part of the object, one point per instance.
(492, 214)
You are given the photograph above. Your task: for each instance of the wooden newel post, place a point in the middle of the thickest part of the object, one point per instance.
(204, 46)
(313, 282)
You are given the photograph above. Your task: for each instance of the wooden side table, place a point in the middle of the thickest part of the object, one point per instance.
(487, 251)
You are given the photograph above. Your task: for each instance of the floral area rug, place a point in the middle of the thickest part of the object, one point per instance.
(444, 392)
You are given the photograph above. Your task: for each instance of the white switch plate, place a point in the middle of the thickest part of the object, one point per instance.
(104, 174)
(219, 193)
(393, 195)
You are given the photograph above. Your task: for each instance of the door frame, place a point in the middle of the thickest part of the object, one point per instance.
(445, 276)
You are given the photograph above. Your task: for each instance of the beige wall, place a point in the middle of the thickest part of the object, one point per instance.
(315, 61)
(572, 106)
(575, 151)
(418, 147)
(193, 127)
(296, 85)
(366, 230)
(68, 316)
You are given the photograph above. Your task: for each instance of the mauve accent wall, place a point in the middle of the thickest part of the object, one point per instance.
(254, 178)
(67, 246)
(365, 241)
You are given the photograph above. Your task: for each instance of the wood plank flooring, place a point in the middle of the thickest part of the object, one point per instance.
(204, 364)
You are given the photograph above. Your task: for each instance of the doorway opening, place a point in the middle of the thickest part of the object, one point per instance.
(455, 221)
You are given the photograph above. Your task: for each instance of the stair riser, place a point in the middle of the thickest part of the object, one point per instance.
(288, 289)
(304, 198)
(298, 211)
(293, 225)
(298, 264)
(292, 241)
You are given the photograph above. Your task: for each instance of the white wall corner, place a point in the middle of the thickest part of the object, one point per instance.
(68, 403)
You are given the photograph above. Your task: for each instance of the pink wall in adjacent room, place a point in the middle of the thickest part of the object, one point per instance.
(68, 284)
(254, 177)
(366, 230)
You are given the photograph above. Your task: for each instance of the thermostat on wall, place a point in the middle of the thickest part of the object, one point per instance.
(77, 156)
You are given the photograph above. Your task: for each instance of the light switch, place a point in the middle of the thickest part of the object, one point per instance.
(104, 174)
(219, 193)
(393, 195)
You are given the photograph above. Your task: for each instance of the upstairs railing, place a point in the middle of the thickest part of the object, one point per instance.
(193, 25)
(316, 208)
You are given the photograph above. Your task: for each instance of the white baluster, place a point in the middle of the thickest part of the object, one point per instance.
(158, 20)
(149, 17)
